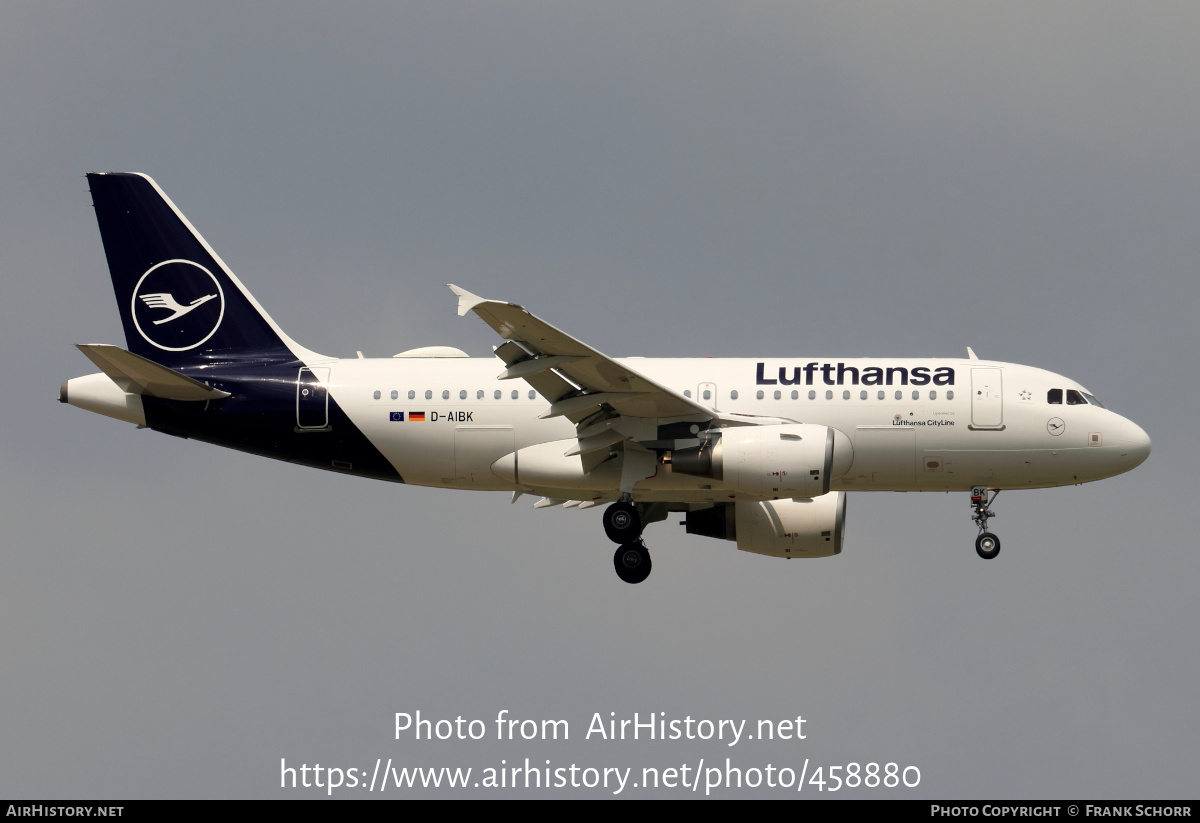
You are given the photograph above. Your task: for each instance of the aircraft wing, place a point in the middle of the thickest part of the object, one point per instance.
(578, 380)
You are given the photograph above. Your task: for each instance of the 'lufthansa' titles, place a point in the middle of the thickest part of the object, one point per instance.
(839, 374)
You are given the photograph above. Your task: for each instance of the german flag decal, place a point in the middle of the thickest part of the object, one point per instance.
(416, 417)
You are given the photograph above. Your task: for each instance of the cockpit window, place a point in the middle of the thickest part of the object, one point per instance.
(1094, 401)
(1054, 396)
(1075, 398)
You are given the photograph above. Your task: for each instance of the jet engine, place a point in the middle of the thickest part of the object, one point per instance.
(790, 460)
(780, 528)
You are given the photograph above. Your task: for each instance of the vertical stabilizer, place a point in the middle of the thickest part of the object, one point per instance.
(178, 300)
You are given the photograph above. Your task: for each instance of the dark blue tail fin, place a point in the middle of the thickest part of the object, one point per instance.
(179, 303)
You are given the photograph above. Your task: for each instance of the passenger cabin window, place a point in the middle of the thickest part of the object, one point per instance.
(708, 394)
(376, 395)
(828, 394)
(496, 396)
(412, 395)
(428, 394)
(1074, 398)
(1054, 397)
(532, 394)
(778, 395)
(950, 395)
(759, 394)
(445, 394)
(687, 392)
(812, 395)
(795, 394)
(733, 395)
(515, 394)
(395, 394)
(479, 394)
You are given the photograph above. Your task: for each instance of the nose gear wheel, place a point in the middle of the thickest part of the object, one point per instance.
(987, 545)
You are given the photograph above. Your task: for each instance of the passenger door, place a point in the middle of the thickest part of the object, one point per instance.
(987, 406)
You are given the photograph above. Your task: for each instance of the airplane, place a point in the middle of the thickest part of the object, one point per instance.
(760, 452)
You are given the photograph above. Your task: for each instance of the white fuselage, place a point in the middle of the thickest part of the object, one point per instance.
(983, 423)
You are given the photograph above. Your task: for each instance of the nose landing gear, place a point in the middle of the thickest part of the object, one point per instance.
(987, 545)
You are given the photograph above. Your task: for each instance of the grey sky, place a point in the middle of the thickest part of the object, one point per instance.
(669, 179)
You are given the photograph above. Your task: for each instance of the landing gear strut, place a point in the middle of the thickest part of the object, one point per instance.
(987, 545)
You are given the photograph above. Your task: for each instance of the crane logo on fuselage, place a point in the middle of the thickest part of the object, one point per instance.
(191, 298)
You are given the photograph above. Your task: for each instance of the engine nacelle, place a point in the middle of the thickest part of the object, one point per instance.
(780, 528)
(785, 461)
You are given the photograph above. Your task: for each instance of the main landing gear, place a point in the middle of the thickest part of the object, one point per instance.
(987, 545)
(623, 524)
(632, 562)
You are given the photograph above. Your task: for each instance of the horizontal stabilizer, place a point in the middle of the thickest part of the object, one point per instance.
(137, 375)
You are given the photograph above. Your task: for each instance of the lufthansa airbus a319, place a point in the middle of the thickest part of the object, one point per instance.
(760, 452)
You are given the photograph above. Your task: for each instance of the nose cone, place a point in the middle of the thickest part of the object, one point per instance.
(1135, 444)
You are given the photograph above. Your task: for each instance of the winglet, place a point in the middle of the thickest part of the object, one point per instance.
(466, 300)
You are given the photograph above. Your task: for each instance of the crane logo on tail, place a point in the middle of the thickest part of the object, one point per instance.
(166, 300)
(177, 305)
